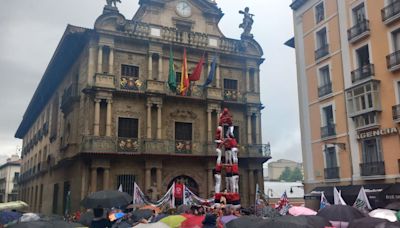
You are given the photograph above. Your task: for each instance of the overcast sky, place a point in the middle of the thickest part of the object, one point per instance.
(31, 30)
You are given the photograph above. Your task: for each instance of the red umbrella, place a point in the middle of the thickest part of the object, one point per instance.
(193, 222)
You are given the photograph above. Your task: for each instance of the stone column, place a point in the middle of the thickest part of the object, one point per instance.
(256, 80)
(249, 136)
(93, 179)
(210, 182)
(209, 133)
(150, 66)
(247, 80)
(251, 186)
(111, 61)
(96, 129)
(109, 118)
(258, 125)
(159, 179)
(100, 60)
(91, 64)
(260, 177)
(149, 120)
(160, 67)
(106, 179)
(147, 179)
(159, 106)
(217, 76)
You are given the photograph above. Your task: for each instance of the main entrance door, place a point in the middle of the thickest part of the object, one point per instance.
(187, 181)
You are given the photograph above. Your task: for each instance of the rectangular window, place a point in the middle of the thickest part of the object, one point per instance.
(129, 71)
(322, 39)
(126, 182)
(128, 127)
(327, 117)
(363, 56)
(371, 149)
(230, 84)
(324, 76)
(330, 155)
(230, 89)
(364, 98)
(183, 131)
(359, 14)
(396, 40)
(319, 13)
(365, 120)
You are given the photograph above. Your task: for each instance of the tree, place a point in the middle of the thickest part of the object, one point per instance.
(286, 174)
(296, 174)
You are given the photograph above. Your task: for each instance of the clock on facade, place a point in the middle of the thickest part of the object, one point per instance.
(183, 9)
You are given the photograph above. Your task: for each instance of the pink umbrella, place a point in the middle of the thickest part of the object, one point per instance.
(296, 211)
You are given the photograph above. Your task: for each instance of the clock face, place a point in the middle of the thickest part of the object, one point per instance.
(183, 9)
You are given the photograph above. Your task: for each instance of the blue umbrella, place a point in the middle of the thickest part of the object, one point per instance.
(9, 216)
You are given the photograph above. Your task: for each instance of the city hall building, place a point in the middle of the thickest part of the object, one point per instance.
(103, 115)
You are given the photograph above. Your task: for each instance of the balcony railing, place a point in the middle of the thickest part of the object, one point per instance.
(391, 12)
(332, 173)
(127, 144)
(325, 89)
(396, 112)
(393, 61)
(372, 168)
(358, 31)
(322, 51)
(362, 73)
(183, 146)
(259, 150)
(231, 95)
(328, 130)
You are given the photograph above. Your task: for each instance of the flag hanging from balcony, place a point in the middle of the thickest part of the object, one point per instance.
(184, 77)
(195, 76)
(212, 72)
(171, 74)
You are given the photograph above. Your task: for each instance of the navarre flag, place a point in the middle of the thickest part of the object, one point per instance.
(171, 74)
(184, 77)
(337, 197)
(362, 202)
(210, 77)
(283, 204)
(195, 76)
(324, 201)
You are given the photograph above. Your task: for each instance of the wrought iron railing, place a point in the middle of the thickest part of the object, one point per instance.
(396, 112)
(362, 73)
(183, 146)
(322, 51)
(329, 130)
(358, 29)
(393, 60)
(390, 11)
(372, 168)
(231, 94)
(325, 89)
(332, 173)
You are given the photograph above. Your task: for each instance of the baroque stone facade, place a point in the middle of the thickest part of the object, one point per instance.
(118, 71)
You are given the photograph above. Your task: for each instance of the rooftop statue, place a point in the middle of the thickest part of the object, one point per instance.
(111, 2)
(247, 23)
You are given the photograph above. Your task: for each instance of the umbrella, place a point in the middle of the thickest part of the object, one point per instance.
(13, 205)
(106, 199)
(370, 222)
(343, 213)
(296, 211)
(227, 218)
(173, 221)
(384, 214)
(29, 217)
(193, 222)
(152, 225)
(46, 224)
(86, 218)
(244, 221)
(269, 212)
(142, 214)
(288, 221)
(9, 216)
(151, 207)
(159, 217)
(393, 206)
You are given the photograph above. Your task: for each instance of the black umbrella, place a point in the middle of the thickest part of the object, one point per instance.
(289, 221)
(343, 213)
(269, 212)
(106, 199)
(393, 206)
(46, 224)
(370, 222)
(244, 221)
(142, 214)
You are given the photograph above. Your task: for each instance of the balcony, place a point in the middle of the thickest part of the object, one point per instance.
(127, 144)
(104, 81)
(332, 173)
(372, 168)
(231, 95)
(391, 13)
(325, 89)
(396, 113)
(393, 61)
(214, 93)
(183, 146)
(259, 150)
(98, 144)
(328, 131)
(252, 97)
(158, 147)
(321, 52)
(155, 86)
(362, 73)
(358, 31)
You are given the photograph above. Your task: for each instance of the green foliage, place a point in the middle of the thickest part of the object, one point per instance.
(291, 175)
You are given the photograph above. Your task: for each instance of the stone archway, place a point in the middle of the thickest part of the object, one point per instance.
(188, 181)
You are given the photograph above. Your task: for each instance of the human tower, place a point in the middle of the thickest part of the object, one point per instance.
(228, 143)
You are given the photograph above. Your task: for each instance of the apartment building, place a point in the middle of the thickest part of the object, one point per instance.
(348, 81)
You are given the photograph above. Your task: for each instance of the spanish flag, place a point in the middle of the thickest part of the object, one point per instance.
(184, 77)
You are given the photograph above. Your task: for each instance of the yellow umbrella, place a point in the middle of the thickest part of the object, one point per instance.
(173, 221)
(17, 205)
